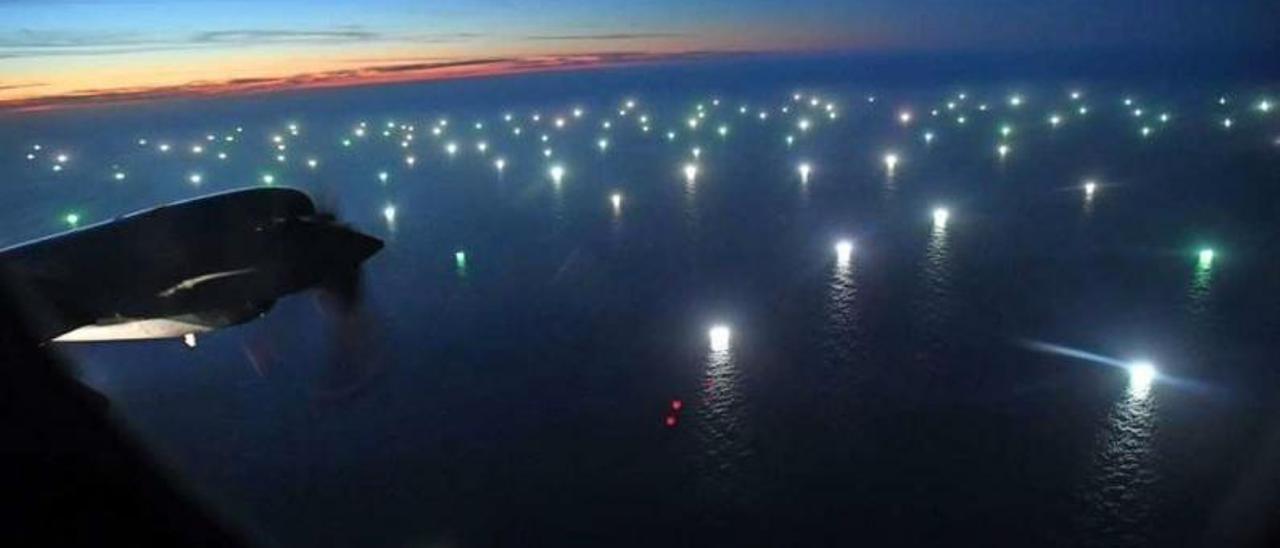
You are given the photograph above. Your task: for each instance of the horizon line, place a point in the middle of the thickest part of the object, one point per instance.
(424, 69)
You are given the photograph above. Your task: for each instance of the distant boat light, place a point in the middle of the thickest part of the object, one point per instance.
(844, 252)
(940, 217)
(719, 336)
(1206, 258)
(1142, 374)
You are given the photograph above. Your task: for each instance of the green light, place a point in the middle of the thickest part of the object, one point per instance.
(268, 179)
(72, 219)
(1206, 258)
(460, 257)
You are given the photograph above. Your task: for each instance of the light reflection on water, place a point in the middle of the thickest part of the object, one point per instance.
(557, 206)
(933, 305)
(1199, 293)
(843, 344)
(843, 325)
(804, 194)
(1119, 493)
(889, 189)
(691, 215)
(721, 431)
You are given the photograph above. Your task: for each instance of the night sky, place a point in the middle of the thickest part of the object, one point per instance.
(61, 51)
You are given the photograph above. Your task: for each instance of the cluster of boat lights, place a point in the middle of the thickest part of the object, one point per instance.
(801, 116)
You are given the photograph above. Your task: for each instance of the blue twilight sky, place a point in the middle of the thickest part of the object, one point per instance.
(52, 48)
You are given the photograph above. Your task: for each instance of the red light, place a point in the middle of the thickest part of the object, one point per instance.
(677, 405)
(671, 421)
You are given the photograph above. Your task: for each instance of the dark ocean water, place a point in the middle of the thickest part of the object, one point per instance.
(895, 400)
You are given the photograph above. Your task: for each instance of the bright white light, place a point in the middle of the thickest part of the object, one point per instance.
(197, 149)
(844, 252)
(1226, 123)
(410, 160)
(577, 112)
(1015, 101)
(164, 147)
(189, 339)
(1054, 120)
(1206, 258)
(1264, 105)
(1142, 374)
(559, 122)
(389, 213)
(61, 158)
(1146, 131)
(557, 173)
(451, 148)
(382, 176)
(195, 178)
(1089, 188)
(482, 147)
(268, 179)
(690, 172)
(616, 200)
(803, 124)
(602, 144)
(312, 163)
(723, 130)
(119, 175)
(940, 217)
(500, 164)
(719, 336)
(1075, 96)
(804, 168)
(1002, 150)
(890, 162)
(928, 137)
(904, 117)
(1005, 130)
(790, 140)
